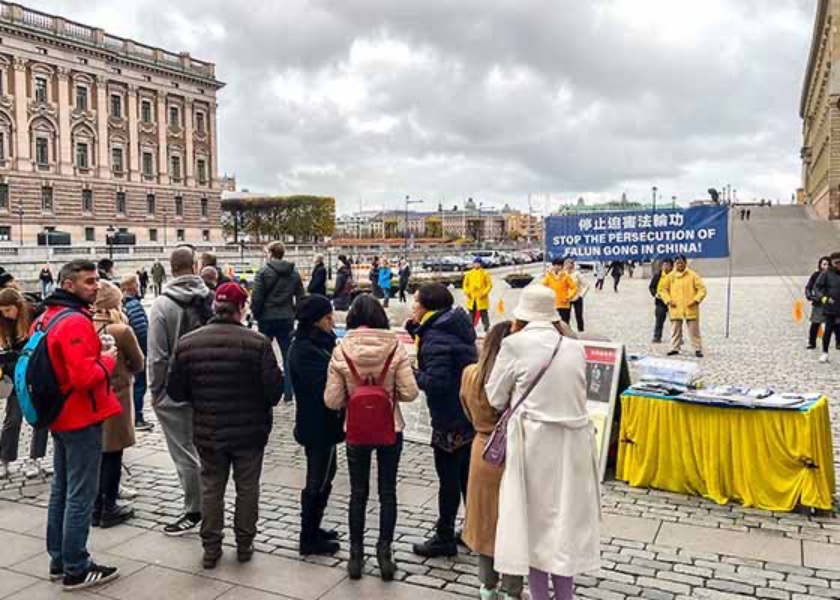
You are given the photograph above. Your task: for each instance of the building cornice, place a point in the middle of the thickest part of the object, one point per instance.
(816, 41)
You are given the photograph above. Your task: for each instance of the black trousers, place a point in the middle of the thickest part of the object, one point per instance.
(577, 305)
(661, 311)
(10, 434)
(616, 281)
(402, 293)
(110, 475)
(485, 318)
(565, 314)
(388, 463)
(216, 467)
(453, 471)
(321, 465)
(832, 326)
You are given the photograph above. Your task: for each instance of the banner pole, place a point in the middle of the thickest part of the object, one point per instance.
(729, 274)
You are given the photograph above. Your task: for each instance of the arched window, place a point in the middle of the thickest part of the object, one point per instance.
(84, 146)
(42, 135)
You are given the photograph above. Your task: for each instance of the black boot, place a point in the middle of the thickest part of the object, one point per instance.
(310, 540)
(441, 544)
(387, 567)
(356, 562)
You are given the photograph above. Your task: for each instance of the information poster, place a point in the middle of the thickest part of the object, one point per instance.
(603, 375)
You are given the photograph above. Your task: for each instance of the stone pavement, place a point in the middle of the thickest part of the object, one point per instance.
(655, 544)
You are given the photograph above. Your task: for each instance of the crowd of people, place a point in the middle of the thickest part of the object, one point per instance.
(823, 291)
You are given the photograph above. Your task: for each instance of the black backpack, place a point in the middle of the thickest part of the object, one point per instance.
(195, 313)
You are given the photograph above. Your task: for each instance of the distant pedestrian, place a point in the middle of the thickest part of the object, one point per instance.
(158, 277)
(600, 275)
(616, 270)
(582, 288)
(744, 212)
(318, 279)
(139, 322)
(405, 277)
(342, 293)
(210, 276)
(373, 276)
(660, 307)
(385, 276)
(477, 286)
(105, 266)
(370, 374)
(817, 309)
(277, 290)
(683, 291)
(563, 286)
(143, 278)
(749, 213)
(46, 279)
(229, 375)
(208, 259)
(828, 291)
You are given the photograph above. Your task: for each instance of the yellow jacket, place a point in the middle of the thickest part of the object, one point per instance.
(661, 284)
(477, 286)
(564, 287)
(683, 293)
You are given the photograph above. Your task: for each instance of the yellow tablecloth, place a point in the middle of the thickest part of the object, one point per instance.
(769, 459)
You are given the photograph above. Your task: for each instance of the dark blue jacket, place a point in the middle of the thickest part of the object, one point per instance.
(138, 320)
(447, 346)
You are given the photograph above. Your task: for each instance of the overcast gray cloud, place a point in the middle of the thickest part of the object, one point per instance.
(494, 99)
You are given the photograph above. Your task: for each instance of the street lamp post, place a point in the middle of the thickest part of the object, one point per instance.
(408, 202)
(654, 198)
(20, 221)
(110, 241)
(165, 238)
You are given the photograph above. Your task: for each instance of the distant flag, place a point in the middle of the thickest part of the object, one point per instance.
(798, 310)
(500, 307)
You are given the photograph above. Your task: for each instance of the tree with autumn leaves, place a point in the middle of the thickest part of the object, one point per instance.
(264, 218)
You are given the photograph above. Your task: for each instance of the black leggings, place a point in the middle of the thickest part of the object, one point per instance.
(832, 326)
(453, 471)
(10, 435)
(110, 474)
(358, 463)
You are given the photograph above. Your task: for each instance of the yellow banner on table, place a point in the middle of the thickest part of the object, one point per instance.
(764, 458)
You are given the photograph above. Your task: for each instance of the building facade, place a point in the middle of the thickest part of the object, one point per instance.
(101, 134)
(820, 113)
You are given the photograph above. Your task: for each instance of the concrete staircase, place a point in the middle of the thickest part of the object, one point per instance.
(777, 240)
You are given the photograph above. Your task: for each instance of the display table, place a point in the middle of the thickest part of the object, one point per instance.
(766, 458)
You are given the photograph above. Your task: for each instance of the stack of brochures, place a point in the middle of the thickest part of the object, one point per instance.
(668, 377)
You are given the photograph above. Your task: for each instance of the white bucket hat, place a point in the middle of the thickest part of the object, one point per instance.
(536, 304)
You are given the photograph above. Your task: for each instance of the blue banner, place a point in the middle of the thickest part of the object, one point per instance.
(697, 232)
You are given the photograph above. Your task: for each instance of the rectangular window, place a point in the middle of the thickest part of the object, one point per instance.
(205, 209)
(146, 111)
(148, 169)
(199, 122)
(40, 89)
(176, 166)
(46, 199)
(174, 119)
(117, 159)
(82, 155)
(180, 235)
(120, 203)
(116, 106)
(205, 235)
(90, 234)
(4, 196)
(5, 234)
(152, 235)
(179, 206)
(42, 151)
(201, 167)
(81, 97)
(2, 146)
(2, 83)
(87, 201)
(150, 204)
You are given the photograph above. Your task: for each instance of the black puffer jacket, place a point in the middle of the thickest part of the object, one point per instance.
(318, 281)
(230, 376)
(309, 361)
(828, 291)
(447, 346)
(277, 287)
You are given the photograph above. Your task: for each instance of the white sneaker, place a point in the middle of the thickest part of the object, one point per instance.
(487, 594)
(32, 469)
(126, 493)
(824, 357)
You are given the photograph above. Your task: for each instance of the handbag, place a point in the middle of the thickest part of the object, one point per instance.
(496, 446)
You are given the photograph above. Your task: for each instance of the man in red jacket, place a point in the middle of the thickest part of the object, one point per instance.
(83, 371)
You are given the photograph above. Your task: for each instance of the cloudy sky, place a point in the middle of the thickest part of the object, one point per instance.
(370, 100)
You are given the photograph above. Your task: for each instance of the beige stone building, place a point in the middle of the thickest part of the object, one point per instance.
(820, 113)
(102, 134)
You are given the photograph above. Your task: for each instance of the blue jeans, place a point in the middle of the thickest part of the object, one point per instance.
(281, 330)
(139, 394)
(74, 487)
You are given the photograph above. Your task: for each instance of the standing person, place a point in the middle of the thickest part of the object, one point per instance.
(550, 446)
(660, 307)
(485, 479)
(817, 312)
(828, 291)
(16, 316)
(600, 275)
(683, 291)
(208, 259)
(229, 375)
(84, 368)
(581, 289)
(385, 280)
(105, 266)
(446, 344)
(158, 277)
(210, 276)
(139, 322)
(342, 294)
(46, 279)
(143, 279)
(404, 277)
(563, 285)
(317, 428)
(373, 276)
(318, 280)
(477, 286)
(371, 355)
(182, 307)
(118, 431)
(277, 289)
(616, 270)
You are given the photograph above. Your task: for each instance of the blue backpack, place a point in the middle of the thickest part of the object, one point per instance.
(39, 394)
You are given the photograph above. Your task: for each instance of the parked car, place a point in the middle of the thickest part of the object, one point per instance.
(444, 263)
(489, 258)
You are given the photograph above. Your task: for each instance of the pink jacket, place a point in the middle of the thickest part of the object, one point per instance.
(369, 349)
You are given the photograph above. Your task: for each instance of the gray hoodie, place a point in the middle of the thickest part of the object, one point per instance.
(165, 326)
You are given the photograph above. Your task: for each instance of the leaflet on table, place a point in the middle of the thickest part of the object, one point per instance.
(747, 397)
(670, 371)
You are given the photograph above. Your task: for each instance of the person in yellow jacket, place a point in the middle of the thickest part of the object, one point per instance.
(477, 286)
(683, 291)
(657, 282)
(564, 287)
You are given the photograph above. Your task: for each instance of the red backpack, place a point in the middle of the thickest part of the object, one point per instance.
(370, 409)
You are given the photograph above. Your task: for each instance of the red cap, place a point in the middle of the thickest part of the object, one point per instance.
(231, 293)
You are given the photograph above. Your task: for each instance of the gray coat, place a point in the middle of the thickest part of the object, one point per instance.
(277, 289)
